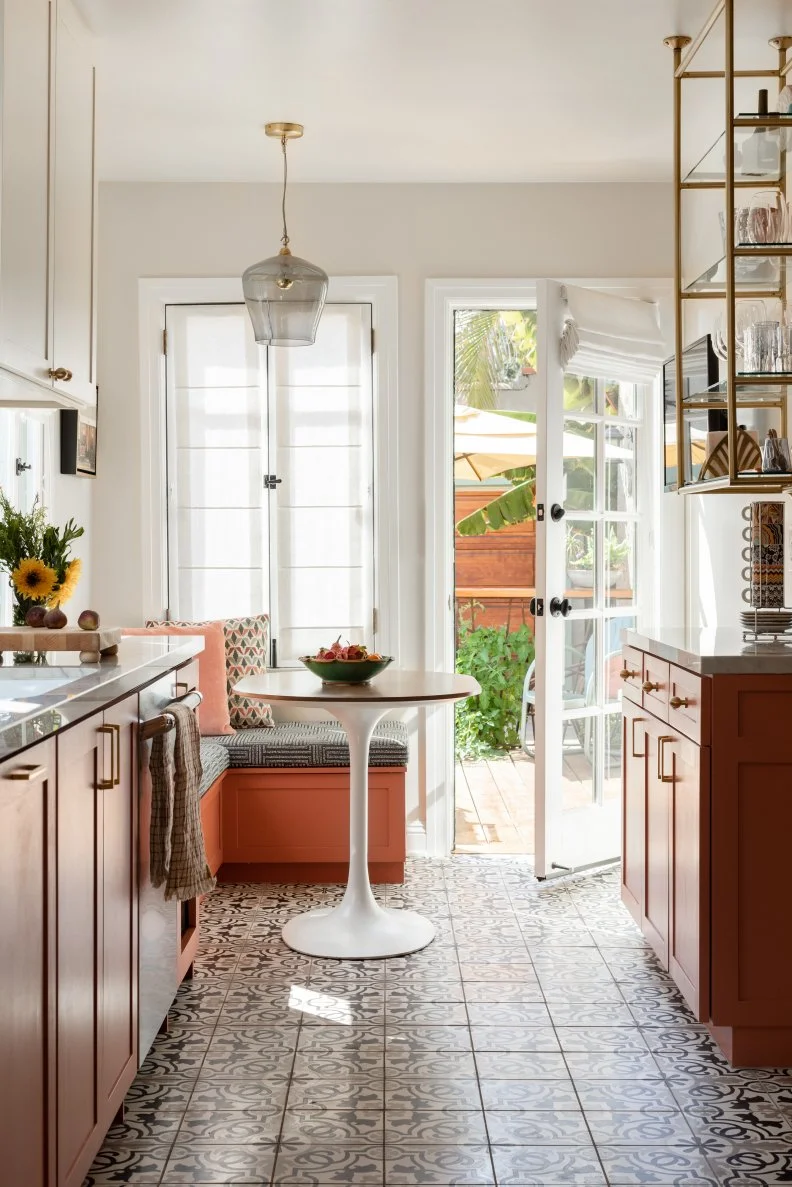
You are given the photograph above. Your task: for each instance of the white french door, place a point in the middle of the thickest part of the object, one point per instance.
(270, 490)
(588, 454)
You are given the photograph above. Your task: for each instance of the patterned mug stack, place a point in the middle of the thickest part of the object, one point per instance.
(764, 574)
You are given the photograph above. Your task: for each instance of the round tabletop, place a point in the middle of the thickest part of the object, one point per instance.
(392, 686)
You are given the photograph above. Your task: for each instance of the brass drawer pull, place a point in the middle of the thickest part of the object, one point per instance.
(635, 722)
(28, 773)
(661, 758)
(115, 757)
(626, 674)
(679, 702)
(649, 686)
(61, 374)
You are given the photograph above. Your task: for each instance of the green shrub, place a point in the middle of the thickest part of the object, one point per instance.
(498, 659)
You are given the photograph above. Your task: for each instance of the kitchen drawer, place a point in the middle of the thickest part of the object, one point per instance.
(655, 685)
(688, 705)
(632, 674)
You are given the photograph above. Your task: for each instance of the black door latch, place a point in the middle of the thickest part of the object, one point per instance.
(270, 481)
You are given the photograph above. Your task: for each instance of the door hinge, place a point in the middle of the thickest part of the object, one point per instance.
(372, 340)
(164, 341)
(273, 653)
(540, 512)
(374, 620)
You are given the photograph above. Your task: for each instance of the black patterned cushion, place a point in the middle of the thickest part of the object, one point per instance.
(214, 760)
(312, 744)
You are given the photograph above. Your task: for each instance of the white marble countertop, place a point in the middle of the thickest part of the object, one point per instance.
(36, 700)
(714, 652)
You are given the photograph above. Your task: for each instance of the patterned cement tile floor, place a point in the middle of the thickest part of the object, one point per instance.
(536, 1041)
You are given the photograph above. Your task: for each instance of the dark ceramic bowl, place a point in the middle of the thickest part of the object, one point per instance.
(346, 671)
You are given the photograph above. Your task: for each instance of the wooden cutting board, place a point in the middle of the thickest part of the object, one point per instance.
(90, 644)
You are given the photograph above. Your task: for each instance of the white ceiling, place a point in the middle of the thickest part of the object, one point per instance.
(396, 90)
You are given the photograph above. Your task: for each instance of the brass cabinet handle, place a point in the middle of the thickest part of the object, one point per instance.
(29, 773)
(115, 757)
(62, 374)
(626, 674)
(635, 721)
(661, 758)
(679, 702)
(649, 686)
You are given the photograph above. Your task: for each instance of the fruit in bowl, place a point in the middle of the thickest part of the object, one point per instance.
(350, 664)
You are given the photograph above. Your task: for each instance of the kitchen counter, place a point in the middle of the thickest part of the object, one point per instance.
(719, 652)
(37, 700)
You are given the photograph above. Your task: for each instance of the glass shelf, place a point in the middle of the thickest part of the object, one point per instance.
(754, 274)
(748, 165)
(750, 396)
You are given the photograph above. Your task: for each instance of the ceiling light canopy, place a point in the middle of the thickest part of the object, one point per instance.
(284, 294)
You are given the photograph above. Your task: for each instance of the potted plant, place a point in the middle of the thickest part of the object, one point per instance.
(36, 555)
(580, 557)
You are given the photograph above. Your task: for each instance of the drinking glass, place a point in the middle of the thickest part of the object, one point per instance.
(768, 218)
(760, 347)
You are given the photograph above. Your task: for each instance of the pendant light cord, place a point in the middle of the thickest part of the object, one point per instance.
(285, 236)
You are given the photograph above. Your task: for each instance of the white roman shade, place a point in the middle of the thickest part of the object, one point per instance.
(608, 337)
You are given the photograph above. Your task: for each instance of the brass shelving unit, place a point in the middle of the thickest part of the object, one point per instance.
(745, 271)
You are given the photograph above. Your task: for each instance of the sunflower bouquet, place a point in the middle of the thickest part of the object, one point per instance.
(37, 557)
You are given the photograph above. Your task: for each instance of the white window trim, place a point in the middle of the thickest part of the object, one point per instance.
(443, 297)
(381, 292)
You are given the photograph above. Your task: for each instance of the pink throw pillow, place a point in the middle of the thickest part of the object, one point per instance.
(213, 715)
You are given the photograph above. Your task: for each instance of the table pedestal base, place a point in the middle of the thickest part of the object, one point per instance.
(350, 932)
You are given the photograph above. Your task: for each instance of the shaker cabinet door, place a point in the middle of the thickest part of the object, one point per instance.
(656, 888)
(634, 742)
(74, 210)
(119, 959)
(27, 864)
(79, 929)
(689, 939)
(25, 224)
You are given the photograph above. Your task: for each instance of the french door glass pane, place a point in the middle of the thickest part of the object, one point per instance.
(579, 748)
(620, 468)
(580, 465)
(621, 399)
(611, 786)
(580, 394)
(580, 663)
(619, 539)
(580, 567)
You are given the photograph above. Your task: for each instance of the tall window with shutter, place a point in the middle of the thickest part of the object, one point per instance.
(270, 490)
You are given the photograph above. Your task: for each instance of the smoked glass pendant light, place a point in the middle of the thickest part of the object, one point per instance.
(284, 295)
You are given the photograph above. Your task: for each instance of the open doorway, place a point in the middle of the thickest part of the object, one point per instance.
(494, 575)
(496, 448)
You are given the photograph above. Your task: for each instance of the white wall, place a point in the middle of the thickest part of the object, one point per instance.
(412, 231)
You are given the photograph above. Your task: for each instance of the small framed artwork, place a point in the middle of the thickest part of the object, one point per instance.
(78, 442)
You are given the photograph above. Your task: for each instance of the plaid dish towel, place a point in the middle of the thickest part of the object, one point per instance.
(178, 857)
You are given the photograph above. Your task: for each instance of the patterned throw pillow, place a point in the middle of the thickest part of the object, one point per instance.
(245, 655)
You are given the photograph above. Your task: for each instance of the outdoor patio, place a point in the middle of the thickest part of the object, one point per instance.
(495, 800)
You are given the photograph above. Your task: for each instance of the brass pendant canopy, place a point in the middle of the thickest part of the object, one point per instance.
(284, 295)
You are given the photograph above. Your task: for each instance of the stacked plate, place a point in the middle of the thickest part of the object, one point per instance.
(766, 622)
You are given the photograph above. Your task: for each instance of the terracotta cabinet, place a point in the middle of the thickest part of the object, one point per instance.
(96, 932)
(707, 816)
(27, 951)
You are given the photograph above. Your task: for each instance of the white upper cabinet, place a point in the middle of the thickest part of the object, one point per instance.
(25, 221)
(47, 206)
(74, 313)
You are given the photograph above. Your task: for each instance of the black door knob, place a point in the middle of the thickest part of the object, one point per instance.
(560, 606)
(557, 512)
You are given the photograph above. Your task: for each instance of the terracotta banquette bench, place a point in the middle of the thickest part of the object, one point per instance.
(275, 803)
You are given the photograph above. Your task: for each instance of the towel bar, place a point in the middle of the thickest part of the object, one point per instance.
(166, 721)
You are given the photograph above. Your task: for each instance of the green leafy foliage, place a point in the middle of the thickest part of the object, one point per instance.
(25, 534)
(514, 506)
(498, 659)
(491, 349)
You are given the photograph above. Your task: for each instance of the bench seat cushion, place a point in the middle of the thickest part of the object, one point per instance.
(214, 760)
(312, 744)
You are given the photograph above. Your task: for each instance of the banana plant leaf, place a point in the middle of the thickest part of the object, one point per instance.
(515, 506)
